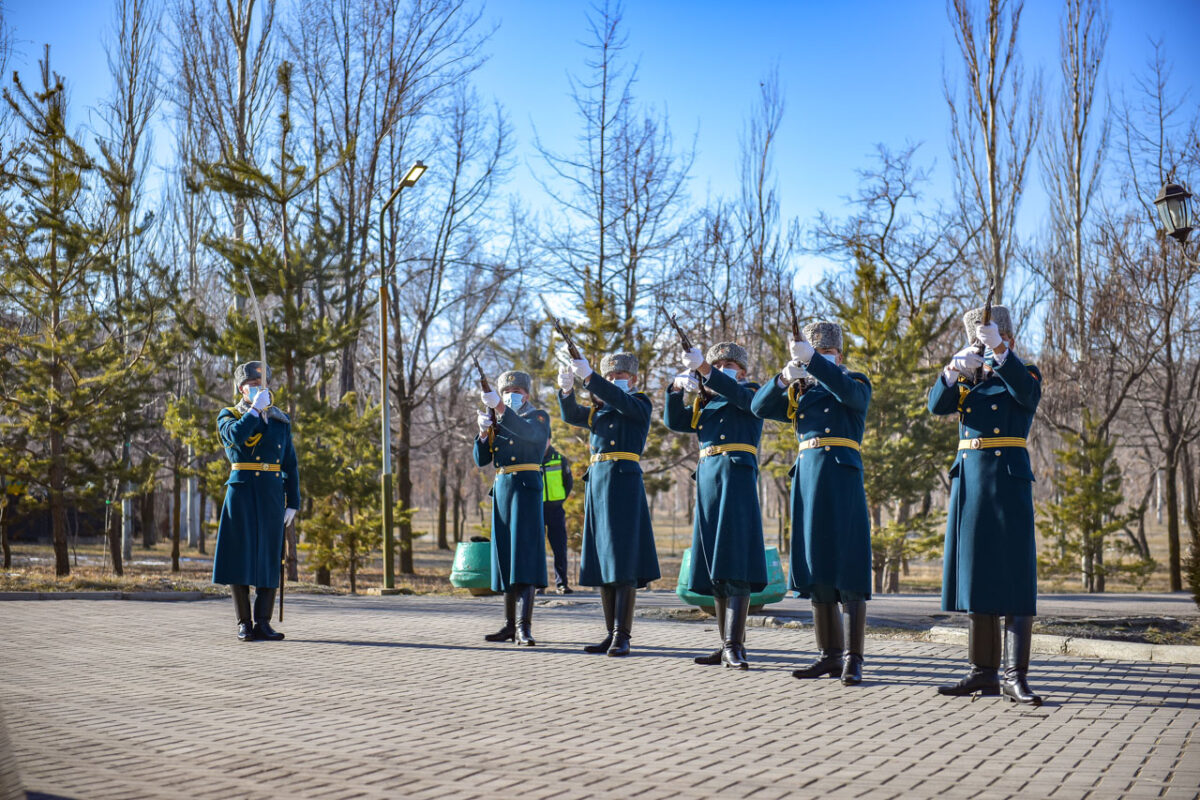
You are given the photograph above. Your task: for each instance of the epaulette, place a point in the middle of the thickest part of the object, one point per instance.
(861, 377)
(234, 411)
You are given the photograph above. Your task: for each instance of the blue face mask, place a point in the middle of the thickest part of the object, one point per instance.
(730, 371)
(621, 383)
(514, 400)
(253, 392)
(830, 357)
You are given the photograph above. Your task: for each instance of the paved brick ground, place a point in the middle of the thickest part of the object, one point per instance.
(400, 697)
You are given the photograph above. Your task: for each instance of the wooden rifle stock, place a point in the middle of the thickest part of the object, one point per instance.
(686, 343)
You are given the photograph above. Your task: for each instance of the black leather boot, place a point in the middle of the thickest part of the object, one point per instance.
(525, 622)
(733, 654)
(1018, 641)
(714, 658)
(241, 604)
(607, 595)
(509, 631)
(983, 649)
(623, 614)
(264, 602)
(827, 626)
(856, 627)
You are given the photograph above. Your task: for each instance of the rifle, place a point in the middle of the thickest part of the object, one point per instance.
(485, 386)
(566, 337)
(262, 359)
(686, 343)
(987, 319)
(796, 336)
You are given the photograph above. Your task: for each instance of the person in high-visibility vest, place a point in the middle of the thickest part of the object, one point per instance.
(729, 559)
(618, 541)
(557, 483)
(990, 563)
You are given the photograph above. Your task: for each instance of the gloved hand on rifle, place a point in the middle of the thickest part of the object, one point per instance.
(566, 379)
(989, 334)
(685, 382)
(492, 400)
(965, 361)
(791, 373)
(800, 351)
(261, 401)
(581, 368)
(484, 421)
(692, 359)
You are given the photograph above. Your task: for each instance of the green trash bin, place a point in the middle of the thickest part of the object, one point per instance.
(773, 592)
(472, 568)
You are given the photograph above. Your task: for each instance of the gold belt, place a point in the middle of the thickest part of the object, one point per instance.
(984, 444)
(254, 467)
(615, 455)
(520, 468)
(717, 449)
(828, 442)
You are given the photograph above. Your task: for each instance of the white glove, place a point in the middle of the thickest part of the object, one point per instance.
(966, 361)
(491, 399)
(685, 383)
(484, 421)
(692, 359)
(581, 368)
(261, 401)
(289, 514)
(793, 372)
(989, 334)
(801, 351)
(566, 379)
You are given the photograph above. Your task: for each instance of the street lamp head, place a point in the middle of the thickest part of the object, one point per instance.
(1173, 210)
(414, 174)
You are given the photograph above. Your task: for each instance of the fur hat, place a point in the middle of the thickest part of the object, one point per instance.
(250, 371)
(823, 334)
(619, 362)
(728, 351)
(1000, 316)
(515, 379)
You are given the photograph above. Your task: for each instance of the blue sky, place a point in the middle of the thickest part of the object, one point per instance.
(854, 74)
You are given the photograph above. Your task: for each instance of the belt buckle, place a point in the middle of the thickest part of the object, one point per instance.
(977, 444)
(809, 444)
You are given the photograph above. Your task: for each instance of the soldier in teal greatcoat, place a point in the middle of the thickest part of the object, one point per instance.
(515, 444)
(826, 405)
(990, 560)
(618, 540)
(262, 497)
(729, 560)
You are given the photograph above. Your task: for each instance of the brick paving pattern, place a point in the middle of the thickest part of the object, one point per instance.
(400, 697)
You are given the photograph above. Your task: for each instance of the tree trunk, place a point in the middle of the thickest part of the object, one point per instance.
(404, 485)
(458, 503)
(443, 542)
(58, 510)
(7, 504)
(112, 523)
(149, 535)
(201, 519)
(176, 496)
(1176, 576)
(323, 577)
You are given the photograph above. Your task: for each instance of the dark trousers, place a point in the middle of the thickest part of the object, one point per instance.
(556, 533)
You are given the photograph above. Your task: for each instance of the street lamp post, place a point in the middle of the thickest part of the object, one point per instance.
(389, 559)
(1173, 210)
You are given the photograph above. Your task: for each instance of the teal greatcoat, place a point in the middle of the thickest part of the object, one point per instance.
(250, 534)
(990, 561)
(727, 537)
(831, 529)
(518, 529)
(618, 539)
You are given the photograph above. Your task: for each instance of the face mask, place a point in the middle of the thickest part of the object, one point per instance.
(621, 383)
(514, 400)
(253, 392)
(830, 357)
(730, 371)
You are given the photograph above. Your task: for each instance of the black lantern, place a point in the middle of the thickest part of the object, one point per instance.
(1172, 202)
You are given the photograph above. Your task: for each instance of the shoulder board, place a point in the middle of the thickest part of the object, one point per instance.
(232, 410)
(860, 377)
(1034, 371)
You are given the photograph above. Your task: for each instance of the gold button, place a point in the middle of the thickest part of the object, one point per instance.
(612, 441)
(514, 458)
(966, 454)
(258, 458)
(827, 411)
(968, 409)
(995, 430)
(994, 406)
(997, 452)
(826, 448)
(722, 436)
(801, 416)
(699, 427)
(827, 430)
(510, 441)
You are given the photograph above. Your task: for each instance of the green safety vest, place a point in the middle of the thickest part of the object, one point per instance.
(552, 480)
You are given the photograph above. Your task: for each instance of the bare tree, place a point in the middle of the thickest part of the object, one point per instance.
(993, 127)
